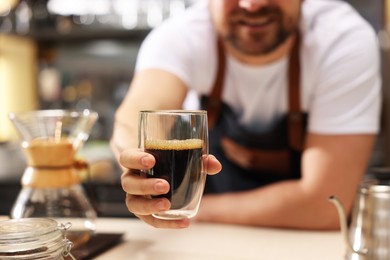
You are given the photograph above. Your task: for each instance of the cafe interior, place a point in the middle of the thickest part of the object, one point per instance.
(80, 55)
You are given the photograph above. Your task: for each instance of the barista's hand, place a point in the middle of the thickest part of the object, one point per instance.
(138, 188)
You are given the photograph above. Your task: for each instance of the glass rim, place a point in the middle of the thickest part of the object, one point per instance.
(174, 112)
(55, 113)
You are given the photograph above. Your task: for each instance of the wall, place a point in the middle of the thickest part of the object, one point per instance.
(17, 80)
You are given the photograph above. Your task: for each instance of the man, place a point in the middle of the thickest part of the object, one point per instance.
(293, 94)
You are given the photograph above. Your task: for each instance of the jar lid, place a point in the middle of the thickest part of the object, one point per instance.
(32, 238)
(26, 227)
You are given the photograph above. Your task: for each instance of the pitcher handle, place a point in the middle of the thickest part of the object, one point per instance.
(344, 226)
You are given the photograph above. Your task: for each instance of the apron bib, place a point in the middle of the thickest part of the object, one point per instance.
(252, 160)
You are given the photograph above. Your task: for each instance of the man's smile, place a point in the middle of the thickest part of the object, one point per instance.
(256, 23)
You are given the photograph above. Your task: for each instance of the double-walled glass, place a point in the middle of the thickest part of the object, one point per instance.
(178, 139)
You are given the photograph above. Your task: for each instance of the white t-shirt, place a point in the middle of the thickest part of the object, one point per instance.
(340, 69)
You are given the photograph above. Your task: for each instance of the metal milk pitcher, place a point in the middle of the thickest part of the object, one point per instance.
(368, 235)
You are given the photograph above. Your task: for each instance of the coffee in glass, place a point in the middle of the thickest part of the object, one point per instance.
(178, 140)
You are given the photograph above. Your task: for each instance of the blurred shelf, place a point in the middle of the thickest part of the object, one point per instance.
(86, 34)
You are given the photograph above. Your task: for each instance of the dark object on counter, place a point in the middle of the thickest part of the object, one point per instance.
(8, 194)
(380, 173)
(98, 244)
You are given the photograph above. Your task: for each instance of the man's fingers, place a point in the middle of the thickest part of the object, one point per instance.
(138, 188)
(136, 159)
(213, 166)
(143, 208)
(140, 205)
(137, 185)
(159, 223)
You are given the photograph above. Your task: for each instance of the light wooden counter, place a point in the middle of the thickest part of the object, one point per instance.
(219, 242)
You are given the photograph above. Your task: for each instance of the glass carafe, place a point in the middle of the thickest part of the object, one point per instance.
(51, 185)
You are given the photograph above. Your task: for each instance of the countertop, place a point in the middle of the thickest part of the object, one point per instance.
(204, 241)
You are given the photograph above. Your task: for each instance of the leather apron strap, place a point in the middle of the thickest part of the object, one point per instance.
(214, 101)
(295, 116)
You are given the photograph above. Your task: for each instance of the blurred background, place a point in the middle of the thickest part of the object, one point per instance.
(72, 54)
(80, 54)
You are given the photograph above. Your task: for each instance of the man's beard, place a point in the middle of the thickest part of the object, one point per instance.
(258, 42)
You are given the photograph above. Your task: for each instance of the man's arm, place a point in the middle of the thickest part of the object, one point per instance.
(150, 89)
(331, 165)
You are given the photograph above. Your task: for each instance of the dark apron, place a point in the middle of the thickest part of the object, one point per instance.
(251, 160)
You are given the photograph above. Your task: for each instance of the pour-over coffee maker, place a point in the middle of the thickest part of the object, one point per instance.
(51, 184)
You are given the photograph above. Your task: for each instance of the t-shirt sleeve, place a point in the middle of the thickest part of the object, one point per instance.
(162, 50)
(347, 95)
(183, 45)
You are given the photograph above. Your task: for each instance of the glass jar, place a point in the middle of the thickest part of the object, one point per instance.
(33, 238)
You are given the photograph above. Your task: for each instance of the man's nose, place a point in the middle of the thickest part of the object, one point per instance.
(253, 5)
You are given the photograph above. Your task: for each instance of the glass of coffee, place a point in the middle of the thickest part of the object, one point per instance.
(178, 139)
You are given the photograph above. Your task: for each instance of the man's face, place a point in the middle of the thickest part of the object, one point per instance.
(255, 27)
